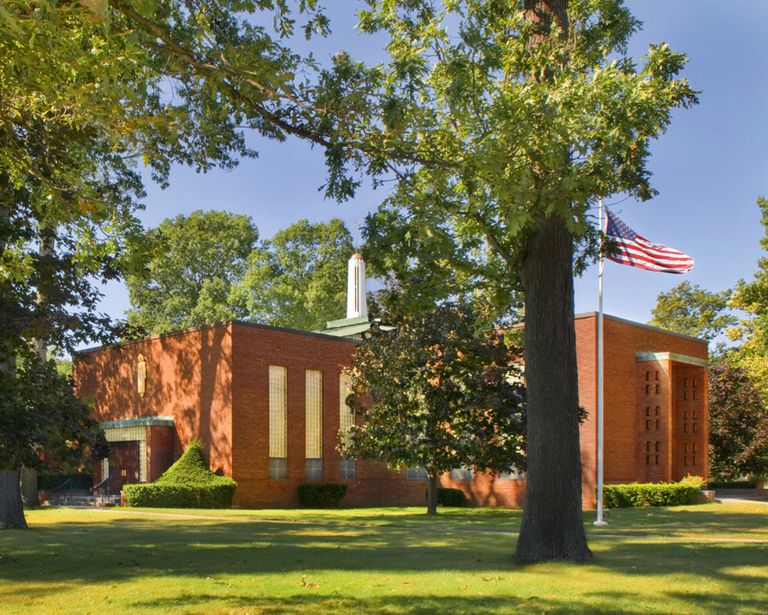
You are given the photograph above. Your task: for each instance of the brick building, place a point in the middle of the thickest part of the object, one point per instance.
(268, 404)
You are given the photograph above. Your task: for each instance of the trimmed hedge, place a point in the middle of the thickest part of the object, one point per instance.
(51, 481)
(321, 495)
(207, 495)
(732, 484)
(652, 494)
(188, 483)
(448, 496)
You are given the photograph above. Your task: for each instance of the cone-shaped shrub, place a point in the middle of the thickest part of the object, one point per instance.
(188, 483)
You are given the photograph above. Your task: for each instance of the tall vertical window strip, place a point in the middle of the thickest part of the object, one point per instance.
(278, 412)
(313, 393)
(346, 416)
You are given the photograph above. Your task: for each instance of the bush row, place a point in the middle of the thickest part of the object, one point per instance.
(216, 494)
(321, 495)
(732, 484)
(651, 494)
(447, 496)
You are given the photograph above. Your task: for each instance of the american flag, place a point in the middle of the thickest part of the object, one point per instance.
(636, 251)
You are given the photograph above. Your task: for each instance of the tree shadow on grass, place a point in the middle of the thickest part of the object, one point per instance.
(119, 549)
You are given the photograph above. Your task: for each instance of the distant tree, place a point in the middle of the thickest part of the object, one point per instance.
(195, 264)
(298, 278)
(39, 413)
(688, 308)
(438, 394)
(738, 424)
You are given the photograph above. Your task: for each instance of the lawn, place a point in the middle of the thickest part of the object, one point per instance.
(699, 559)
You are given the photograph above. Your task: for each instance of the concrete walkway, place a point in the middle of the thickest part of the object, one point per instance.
(742, 496)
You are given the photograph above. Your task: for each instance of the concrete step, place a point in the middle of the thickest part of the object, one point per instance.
(98, 501)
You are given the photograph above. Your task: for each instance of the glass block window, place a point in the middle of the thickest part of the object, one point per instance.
(278, 468)
(346, 416)
(513, 474)
(314, 469)
(461, 473)
(278, 422)
(347, 469)
(313, 402)
(418, 473)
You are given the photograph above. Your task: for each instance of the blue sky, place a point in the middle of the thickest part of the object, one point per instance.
(709, 167)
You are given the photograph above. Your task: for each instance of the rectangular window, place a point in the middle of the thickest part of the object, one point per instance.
(647, 375)
(693, 394)
(685, 383)
(658, 446)
(695, 415)
(657, 460)
(658, 410)
(658, 388)
(461, 473)
(658, 424)
(685, 427)
(418, 473)
(694, 428)
(648, 411)
(313, 405)
(278, 468)
(685, 395)
(694, 383)
(648, 446)
(346, 416)
(314, 469)
(647, 460)
(657, 374)
(693, 460)
(278, 422)
(685, 461)
(647, 426)
(647, 389)
(685, 414)
(347, 469)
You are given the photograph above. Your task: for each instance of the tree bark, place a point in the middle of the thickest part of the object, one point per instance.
(552, 526)
(11, 507)
(432, 495)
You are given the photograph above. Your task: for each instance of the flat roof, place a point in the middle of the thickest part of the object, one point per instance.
(242, 323)
(141, 421)
(639, 324)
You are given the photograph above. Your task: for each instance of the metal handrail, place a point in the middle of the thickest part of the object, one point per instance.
(100, 485)
(64, 484)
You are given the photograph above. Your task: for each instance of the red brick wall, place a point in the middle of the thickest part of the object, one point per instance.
(188, 377)
(624, 396)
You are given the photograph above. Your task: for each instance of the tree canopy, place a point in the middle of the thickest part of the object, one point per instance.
(194, 268)
(298, 278)
(437, 393)
(688, 308)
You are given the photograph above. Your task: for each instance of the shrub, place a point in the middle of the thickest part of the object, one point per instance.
(200, 495)
(447, 496)
(51, 481)
(652, 494)
(321, 495)
(188, 483)
(732, 484)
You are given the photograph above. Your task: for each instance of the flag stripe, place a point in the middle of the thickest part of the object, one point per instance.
(637, 251)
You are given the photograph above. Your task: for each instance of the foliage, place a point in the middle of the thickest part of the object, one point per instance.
(298, 278)
(731, 484)
(194, 265)
(217, 494)
(688, 308)
(38, 412)
(437, 393)
(738, 423)
(77, 480)
(652, 494)
(447, 496)
(191, 467)
(321, 495)
(188, 483)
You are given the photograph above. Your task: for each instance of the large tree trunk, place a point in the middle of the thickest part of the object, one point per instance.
(552, 527)
(432, 495)
(11, 507)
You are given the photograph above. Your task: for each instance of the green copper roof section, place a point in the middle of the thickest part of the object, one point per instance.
(345, 331)
(344, 322)
(144, 421)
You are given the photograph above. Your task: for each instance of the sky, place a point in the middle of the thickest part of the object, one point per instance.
(709, 167)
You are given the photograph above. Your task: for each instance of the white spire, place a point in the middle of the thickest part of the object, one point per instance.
(356, 303)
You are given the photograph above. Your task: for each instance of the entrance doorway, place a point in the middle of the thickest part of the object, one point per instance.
(123, 465)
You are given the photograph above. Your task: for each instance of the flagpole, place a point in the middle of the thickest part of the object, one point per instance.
(600, 520)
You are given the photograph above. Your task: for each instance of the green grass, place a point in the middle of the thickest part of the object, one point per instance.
(699, 559)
